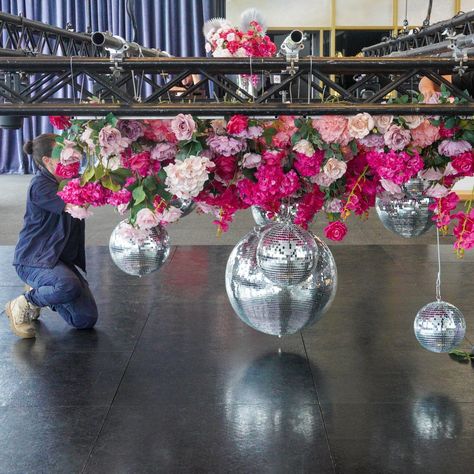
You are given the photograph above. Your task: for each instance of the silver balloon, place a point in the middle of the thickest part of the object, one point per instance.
(273, 309)
(439, 326)
(286, 253)
(260, 216)
(139, 258)
(186, 206)
(408, 216)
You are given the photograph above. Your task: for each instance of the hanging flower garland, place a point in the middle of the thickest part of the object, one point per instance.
(331, 164)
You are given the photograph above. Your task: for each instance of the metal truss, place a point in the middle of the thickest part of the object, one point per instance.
(435, 39)
(145, 86)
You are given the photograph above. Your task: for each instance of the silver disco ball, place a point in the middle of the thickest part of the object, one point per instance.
(408, 216)
(273, 309)
(260, 216)
(186, 206)
(414, 188)
(439, 326)
(286, 253)
(139, 258)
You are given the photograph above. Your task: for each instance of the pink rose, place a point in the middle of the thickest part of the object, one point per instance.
(322, 179)
(453, 147)
(360, 125)
(86, 137)
(69, 154)
(333, 129)
(396, 137)
(111, 141)
(237, 124)
(463, 163)
(226, 166)
(383, 122)
(425, 134)
(413, 121)
(60, 122)
(336, 230)
(170, 215)
(335, 168)
(147, 219)
(333, 205)
(304, 147)
(183, 126)
(67, 171)
(431, 174)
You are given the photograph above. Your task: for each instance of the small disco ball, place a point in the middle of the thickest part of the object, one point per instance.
(274, 309)
(186, 206)
(139, 258)
(286, 253)
(414, 188)
(439, 326)
(260, 216)
(408, 216)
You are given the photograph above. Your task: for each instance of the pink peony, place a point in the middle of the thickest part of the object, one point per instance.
(111, 141)
(396, 137)
(183, 126)
(158, 131)
(453, 147)
(131, 129)
(336, 230)
(373, 140)
(163, 151)
(147, 219)
(425, 134)
(142, 164)
(226, 146)
(226, 166)
(360, 125)
(333, 129)
(333, 205)
(309, 165)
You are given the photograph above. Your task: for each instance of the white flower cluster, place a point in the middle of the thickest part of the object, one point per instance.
(185, 179)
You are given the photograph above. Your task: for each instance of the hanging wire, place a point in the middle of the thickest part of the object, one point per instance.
(438, 279)
(72, 82)
(310, 77)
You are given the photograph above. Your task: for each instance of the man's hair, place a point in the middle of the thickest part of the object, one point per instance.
(39, 147)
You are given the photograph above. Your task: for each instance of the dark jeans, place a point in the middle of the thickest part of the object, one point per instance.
(64, 290)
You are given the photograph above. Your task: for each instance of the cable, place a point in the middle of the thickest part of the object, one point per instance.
(438, 279)
(426, 21)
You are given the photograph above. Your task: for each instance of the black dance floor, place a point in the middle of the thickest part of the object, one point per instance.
(171, 380)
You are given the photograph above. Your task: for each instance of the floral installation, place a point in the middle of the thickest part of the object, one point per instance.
(334, 165)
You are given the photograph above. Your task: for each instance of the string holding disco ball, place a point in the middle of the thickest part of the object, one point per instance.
(439, 326)
(286, 253)
(139, 257)
(275, 309)
(408, 216)
(186, 206)
(287, 210)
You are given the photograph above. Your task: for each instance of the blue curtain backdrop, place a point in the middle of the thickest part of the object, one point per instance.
(171, 25)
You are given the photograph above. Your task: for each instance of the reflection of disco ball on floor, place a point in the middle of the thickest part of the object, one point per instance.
(439, 326)
(260, 216)
(408, 216)
(286, 253)
(139, 258)
(272, 309)
(186, 206)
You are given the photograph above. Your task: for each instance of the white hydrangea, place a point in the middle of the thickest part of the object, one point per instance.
(185, 179)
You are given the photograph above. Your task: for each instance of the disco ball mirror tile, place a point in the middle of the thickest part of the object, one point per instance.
(286, 253)
(260, 216)
(274, 309)
(142, 258)
(439, 326)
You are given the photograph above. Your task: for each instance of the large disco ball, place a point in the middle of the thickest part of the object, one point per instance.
(261, 217)
(273, 309)
(439, 326)
(186, 206)
(408, 216)
(139, 258)
(286, 253)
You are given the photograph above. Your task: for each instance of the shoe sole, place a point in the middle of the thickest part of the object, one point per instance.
(9, 313)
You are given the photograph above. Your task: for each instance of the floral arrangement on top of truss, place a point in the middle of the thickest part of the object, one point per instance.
(331, 164)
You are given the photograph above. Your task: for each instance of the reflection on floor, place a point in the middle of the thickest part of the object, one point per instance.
(172, 381)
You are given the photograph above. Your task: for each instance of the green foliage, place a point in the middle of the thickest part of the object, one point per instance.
(87, 175)
(56, 153)
(139, 194)
(109, 183)
(268, 135)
